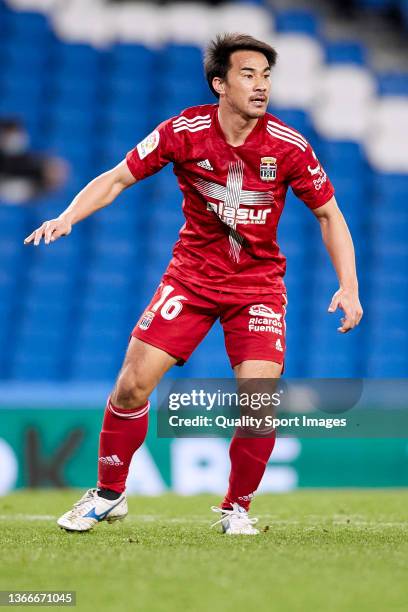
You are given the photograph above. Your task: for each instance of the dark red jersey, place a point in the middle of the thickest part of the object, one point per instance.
(233, 196)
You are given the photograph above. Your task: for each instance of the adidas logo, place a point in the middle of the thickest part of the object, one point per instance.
(278, 345)
(205, 164)
(111, 460)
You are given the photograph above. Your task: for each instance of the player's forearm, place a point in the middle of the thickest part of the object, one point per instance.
(339, 244)
(99, 193)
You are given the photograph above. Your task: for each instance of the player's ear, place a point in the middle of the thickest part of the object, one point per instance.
(218, 85)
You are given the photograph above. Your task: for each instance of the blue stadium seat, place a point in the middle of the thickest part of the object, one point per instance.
(389, 190)
(128, 114)
(346, 158)
(132, 58)
(22, 85)
(113, 261)
(175, 100)
(387, 311)
(38, 337)
(299, 21)
(32, 366)
(210, 358)
(335, 354)
(389, 282)
(350, 52)
(45, 286)
(11, 253)
(88, 365)
(77, 151)
(391, 227)
(100, 342)
(290, 230)
(119, 146)
(181, 58)
(103, 313)
(133, 103)
(64, 132)
(14, 220)
(115, 231)
(59, 116)
(13, 105)
(78, 57)
(28, 26)
(386, 365)
(389, 340)
(102, 286)
(77, 99)
(41, 315)
(393, 84)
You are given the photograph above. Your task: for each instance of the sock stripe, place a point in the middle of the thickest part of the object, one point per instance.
(136, 414)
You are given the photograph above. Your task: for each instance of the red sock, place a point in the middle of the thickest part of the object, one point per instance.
(249, 457)
(123, 432)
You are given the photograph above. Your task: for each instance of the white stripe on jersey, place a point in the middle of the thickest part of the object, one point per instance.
(283, 128)
(285, 137)
(182, 126)
(197, 123)
(194, 124)
(251, 197)
(276, 131)
(208, 188)
(213, 190)
(183, 119)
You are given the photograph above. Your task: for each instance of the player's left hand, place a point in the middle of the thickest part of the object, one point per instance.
(348, 301)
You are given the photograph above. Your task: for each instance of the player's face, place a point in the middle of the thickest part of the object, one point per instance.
(247, 86)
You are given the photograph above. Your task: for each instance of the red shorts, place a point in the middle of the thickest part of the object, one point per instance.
(181, 314)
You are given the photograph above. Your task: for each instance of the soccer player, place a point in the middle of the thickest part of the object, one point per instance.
(234, 163)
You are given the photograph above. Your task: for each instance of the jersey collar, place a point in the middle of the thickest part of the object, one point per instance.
(250, 138)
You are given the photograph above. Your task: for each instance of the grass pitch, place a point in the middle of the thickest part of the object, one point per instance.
(318, 551)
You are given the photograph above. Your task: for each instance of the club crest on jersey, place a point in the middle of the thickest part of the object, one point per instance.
(148, 145)
(268, 168)
(146, 320)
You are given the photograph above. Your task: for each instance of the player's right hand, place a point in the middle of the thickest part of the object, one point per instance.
(50, 231)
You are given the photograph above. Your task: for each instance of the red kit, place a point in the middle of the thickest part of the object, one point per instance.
(226, 263)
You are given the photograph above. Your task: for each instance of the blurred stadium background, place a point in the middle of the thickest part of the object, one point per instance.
(90, 79)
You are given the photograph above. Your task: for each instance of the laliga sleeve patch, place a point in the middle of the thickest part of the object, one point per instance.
(149, 144)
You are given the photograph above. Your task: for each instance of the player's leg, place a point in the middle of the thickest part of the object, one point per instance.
(124, 430)
(125, 421)
(170, 328)
(174, 323)
(256, 350)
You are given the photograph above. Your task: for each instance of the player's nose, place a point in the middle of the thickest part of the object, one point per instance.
(260, 85)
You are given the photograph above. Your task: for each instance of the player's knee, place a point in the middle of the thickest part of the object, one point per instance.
(130, 392)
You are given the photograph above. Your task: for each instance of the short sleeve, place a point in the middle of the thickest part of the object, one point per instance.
(153, 152)
(308, 179)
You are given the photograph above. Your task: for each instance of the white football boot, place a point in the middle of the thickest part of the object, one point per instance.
(92, 509)
(235, 521)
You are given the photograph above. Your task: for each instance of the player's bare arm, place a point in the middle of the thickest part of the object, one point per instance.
(100, 192)
(337, 239)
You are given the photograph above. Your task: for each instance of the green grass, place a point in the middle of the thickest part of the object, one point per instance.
(319, 551)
